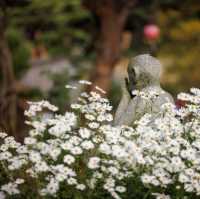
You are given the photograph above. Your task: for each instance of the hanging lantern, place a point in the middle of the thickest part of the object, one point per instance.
(151, 32)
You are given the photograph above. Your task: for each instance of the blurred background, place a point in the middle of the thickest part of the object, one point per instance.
(47, 44)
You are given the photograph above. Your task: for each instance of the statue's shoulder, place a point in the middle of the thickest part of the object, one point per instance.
(167, 96)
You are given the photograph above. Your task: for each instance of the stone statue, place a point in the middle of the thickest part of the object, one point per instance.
(143, 75)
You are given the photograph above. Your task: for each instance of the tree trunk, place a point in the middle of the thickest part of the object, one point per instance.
(112, 15)
(108, 49)
(8, 97)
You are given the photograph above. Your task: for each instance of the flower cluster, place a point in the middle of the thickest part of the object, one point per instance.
(80, 152)
(169, 147)
(152, 95)
(77, 150)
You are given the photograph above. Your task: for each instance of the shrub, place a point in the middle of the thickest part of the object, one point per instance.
(80, 154)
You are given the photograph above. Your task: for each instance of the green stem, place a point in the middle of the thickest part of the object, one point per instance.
(7, 171)
(147, 194)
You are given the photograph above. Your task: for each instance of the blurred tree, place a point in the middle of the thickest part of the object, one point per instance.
(8, 96)
(112, 15)
(52, 17)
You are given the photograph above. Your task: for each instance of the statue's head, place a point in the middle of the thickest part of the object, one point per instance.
(144, 70)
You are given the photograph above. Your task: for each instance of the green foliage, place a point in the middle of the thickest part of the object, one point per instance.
(20, 49)
(54, 43)
(115, 94)
(59, 95)
(59, 22)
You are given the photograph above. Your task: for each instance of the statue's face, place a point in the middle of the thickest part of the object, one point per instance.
(143, 71)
